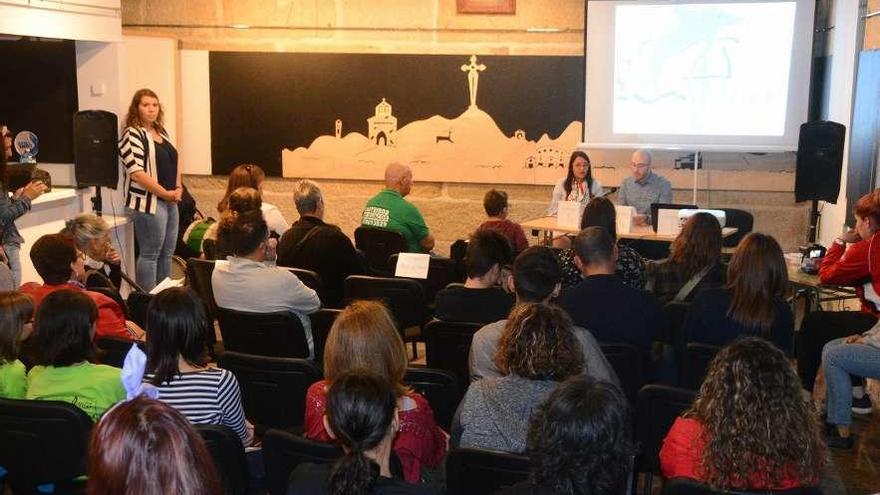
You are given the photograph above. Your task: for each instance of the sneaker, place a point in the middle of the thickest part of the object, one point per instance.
(837, 442)
(862, 405)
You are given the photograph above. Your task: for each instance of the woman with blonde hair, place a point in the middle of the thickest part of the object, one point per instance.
(364, 337)
(751, 303)
(252, 176)
(751, 426)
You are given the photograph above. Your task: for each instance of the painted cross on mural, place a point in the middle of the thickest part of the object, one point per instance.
(473, 69)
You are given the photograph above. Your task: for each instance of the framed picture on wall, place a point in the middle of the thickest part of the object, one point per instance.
(486, 6)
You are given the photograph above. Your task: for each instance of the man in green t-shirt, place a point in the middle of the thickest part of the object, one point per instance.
(388, 210)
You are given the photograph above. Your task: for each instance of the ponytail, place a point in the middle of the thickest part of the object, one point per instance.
(353, 474)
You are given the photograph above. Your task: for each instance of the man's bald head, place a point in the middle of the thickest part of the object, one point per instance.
(398, 177)
(640, 164)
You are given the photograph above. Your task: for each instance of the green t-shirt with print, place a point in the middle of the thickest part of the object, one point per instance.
(13, 380)
(388, 210)
(94, 388)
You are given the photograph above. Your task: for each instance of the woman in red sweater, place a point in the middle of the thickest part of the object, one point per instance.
(364, 337)
(852, 260)
(750, 427)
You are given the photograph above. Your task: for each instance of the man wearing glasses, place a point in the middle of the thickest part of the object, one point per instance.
(644, 187)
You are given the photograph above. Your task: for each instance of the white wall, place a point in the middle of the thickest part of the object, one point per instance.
(195, 112)
(151, 62)
(844, 43)
(88, 20)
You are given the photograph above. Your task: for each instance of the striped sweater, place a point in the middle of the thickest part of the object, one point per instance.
(210, 396)
(137, 152)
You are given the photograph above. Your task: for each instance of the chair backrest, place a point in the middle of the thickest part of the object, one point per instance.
(113, 350)
(676, 314)
(439, 388)
(687, 486)
(138, 302)
(457, 252)
(263, 334)
(42, 441)
(403, 297)
(447, 346)
(477, 471)
(283, 451)
(227, 452)
(656, 410)
(378, 245)
(198, 276)
(696, 363)
(441, 272)
(273, 389)
(627, 363)
(112, 294)
(322, 320)
(310, 279)
(742, 220)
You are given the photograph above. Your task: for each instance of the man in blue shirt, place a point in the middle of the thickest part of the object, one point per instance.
(644, 187)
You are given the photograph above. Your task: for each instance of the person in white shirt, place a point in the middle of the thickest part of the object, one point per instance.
(249, 281)
(250, 175)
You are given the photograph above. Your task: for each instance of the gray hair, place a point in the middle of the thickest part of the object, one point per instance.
(306, 195)
(85, 228)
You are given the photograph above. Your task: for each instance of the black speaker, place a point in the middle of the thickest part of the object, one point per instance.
(819, 161)
(95, 155)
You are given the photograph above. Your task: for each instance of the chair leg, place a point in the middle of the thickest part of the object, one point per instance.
(415, 349)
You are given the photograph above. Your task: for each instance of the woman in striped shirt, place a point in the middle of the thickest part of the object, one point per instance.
(177, 356)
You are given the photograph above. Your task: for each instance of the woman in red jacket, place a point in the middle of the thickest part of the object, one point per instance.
(749, 428)
(852, 260)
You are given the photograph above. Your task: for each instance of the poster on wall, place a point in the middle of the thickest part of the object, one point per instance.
(453, 118)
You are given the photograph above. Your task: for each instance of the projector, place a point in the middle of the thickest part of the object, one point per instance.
(684, 215)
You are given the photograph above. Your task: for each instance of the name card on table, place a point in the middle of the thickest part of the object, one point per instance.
(569, 214)
(625, 215)
(412, 265)
(668, 221)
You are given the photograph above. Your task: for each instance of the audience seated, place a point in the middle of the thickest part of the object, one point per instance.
(252, 176)
(144, 447)
(63, 333)
(91, 234)
(16, 311)
(178, 364)
(694, 262)
(363, 415)
(61, 266)
(497, 209)
(536, 280)
(751, 426)
(321, 247)
(364, 337)
(630, 266)
(611, 310)
(752, 302)
(537, 350)
(388, 210)
(481, 299)
(246, 282)
(216, 243)
(579, 441)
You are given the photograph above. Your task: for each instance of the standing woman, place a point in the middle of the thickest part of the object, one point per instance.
(577, 185)
(10, 210)
(152, 186)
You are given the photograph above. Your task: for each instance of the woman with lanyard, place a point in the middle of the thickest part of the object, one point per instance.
(578, 185)
(152, 186)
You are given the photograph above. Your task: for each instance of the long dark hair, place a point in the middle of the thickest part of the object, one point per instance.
(63, 328)
(16, 309)
(570, 176)
(146, 447)
(177, 327)
(698, 245)
(600, 212)
(360, 410)
(246, 175)
(757, 278)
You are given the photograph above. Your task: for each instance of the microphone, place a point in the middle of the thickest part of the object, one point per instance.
(609, 192)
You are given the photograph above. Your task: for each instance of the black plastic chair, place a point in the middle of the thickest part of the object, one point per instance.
(457, 252)
(403, 297)
(447, 347)
(113, 350)
(43, 442)
(263, 334)
(227, 452)
(696, 363)
(273, 390)
(310, 279)
(742, 220)
(656, 410)
(441, 272)
(138, 302)
(627, 363)
(378, 245)
(676, 316)
(477, 471)
(439, 388)
(322, 320)
(283, 451)
(687, 486)
(198, 276)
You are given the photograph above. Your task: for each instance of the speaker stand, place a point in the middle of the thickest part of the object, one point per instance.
(814, 221)
(97, 204)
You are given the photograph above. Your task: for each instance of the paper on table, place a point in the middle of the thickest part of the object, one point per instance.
(412, 265)
(569, 214)
(624, 218)
(166, 284)
(668, 222)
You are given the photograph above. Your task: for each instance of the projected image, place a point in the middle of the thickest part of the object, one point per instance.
(702, 69)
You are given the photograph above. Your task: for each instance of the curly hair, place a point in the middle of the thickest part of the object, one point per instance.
(538, 343)
(579, 439)
(698, 245)
(756, 420)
